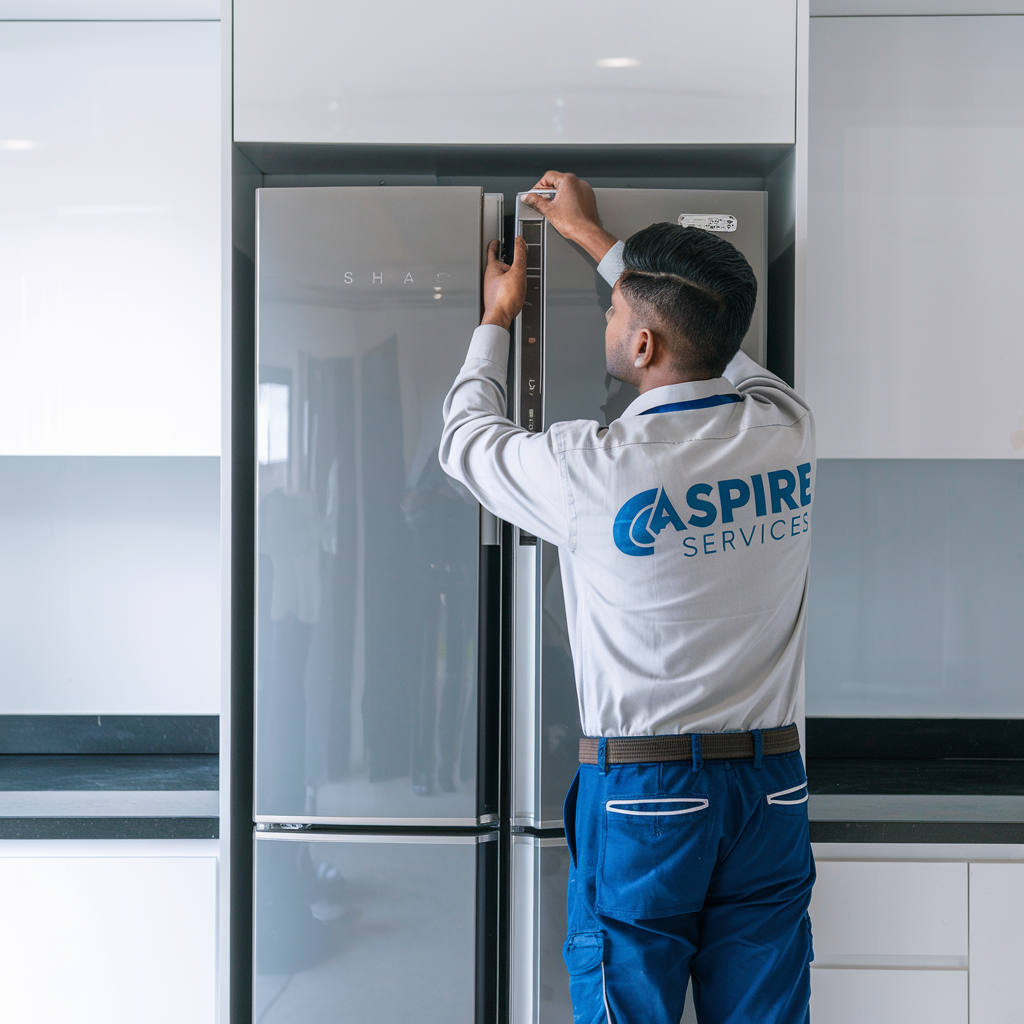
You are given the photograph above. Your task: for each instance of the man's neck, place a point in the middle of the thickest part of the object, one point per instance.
(652, 380)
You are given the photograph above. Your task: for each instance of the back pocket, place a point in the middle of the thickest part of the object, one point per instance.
(655, 857)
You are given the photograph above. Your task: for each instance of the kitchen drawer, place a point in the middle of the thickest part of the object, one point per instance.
(879, 909)
(888, 997)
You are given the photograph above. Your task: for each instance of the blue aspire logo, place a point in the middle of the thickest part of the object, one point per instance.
(641, 519)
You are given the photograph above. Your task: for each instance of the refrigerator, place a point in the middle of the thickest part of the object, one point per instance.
(415, 705)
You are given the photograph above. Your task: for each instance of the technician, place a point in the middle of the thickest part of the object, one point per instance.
(683, 531)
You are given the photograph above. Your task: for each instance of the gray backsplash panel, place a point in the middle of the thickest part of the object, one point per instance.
(110, 593)
(917, 589)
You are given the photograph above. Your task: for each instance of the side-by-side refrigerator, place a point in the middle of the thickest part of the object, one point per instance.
(413, 658)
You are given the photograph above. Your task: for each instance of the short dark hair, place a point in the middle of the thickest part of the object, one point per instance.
(697, 288)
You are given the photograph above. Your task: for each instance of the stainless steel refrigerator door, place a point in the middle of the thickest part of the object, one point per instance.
(539, 982)
(367, 697)
(374, 929)
(561, 375)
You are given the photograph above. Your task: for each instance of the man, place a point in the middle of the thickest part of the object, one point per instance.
(683, 531)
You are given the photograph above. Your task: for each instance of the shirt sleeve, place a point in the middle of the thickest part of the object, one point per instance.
(750, 378)
(611, 265)
(517, 475)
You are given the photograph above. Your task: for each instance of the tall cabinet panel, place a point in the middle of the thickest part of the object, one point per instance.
(367, 622)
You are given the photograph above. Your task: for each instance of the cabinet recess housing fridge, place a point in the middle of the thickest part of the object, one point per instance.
(416, 715)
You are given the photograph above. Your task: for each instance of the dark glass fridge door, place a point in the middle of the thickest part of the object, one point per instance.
(566, 357)
(368, 697)
(375, 929)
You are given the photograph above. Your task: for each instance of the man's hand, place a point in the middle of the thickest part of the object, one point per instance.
(573, 212)
(504, 286)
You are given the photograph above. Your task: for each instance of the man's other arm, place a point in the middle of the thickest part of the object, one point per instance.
(515, 474)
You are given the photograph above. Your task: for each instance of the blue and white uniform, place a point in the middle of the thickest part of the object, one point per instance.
(683, 531)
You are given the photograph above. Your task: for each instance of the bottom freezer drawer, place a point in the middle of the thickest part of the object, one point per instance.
(375, 929)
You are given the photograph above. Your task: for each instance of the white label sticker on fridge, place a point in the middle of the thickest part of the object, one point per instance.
(708, 221)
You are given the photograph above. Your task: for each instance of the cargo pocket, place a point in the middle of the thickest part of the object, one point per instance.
(583, 953)
(655, 858)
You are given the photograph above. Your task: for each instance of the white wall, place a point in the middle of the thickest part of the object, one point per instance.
(564, 73)
(916, 219)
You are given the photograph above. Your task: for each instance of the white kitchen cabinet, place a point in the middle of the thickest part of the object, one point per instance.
(107, 939)
(864, 912)
(997, 943)
(915, 224)
(888, 997)
(463, 72)
(110, 238)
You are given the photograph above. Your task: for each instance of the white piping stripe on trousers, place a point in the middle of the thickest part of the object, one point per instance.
(604, 992)
(773, 797)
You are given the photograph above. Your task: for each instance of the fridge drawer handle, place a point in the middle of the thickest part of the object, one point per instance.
(621, 806)
(773, 798)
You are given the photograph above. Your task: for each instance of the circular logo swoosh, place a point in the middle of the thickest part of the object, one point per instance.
(630, 529)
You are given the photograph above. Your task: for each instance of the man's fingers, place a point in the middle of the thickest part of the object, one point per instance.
(552, 179)
(519, 257)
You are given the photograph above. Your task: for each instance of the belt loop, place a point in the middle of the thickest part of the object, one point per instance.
(602, 744)
(698, 759)
(758, 747)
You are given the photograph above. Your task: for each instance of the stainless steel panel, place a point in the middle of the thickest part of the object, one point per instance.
(372, 929)
(539, 986)
(366, 702)
(575, 385)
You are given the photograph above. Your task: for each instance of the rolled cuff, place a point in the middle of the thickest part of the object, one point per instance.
(611, 265)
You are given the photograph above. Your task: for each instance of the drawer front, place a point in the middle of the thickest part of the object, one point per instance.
(865, 908)
(888, 997)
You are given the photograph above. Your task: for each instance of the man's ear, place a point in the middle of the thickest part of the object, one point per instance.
(643, 348)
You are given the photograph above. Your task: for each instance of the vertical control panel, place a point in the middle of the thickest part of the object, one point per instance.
(531, 330)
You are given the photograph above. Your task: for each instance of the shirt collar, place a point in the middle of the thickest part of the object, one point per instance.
(687, 392)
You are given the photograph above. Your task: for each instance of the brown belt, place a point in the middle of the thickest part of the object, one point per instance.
(714, 746)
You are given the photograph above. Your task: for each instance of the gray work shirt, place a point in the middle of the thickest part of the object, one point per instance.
(683, 531)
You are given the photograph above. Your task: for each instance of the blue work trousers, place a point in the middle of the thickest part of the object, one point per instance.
(690, 869)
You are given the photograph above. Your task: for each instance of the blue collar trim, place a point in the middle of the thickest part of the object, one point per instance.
(696, 403)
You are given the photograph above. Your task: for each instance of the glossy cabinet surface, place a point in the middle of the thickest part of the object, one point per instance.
(110, 238)
(915, 221)
(367, 571)
(137, 938)
(918, 592)
(687, 72)
(372, 929)
(111, 585)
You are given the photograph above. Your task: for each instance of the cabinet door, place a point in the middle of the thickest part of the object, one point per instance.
(676, 73)
(916, 216)
(888, 997)
(997, 948)
(869, 909)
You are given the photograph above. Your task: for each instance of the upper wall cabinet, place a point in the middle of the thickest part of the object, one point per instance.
(915, 233)
(110, 262)
(462, 72)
